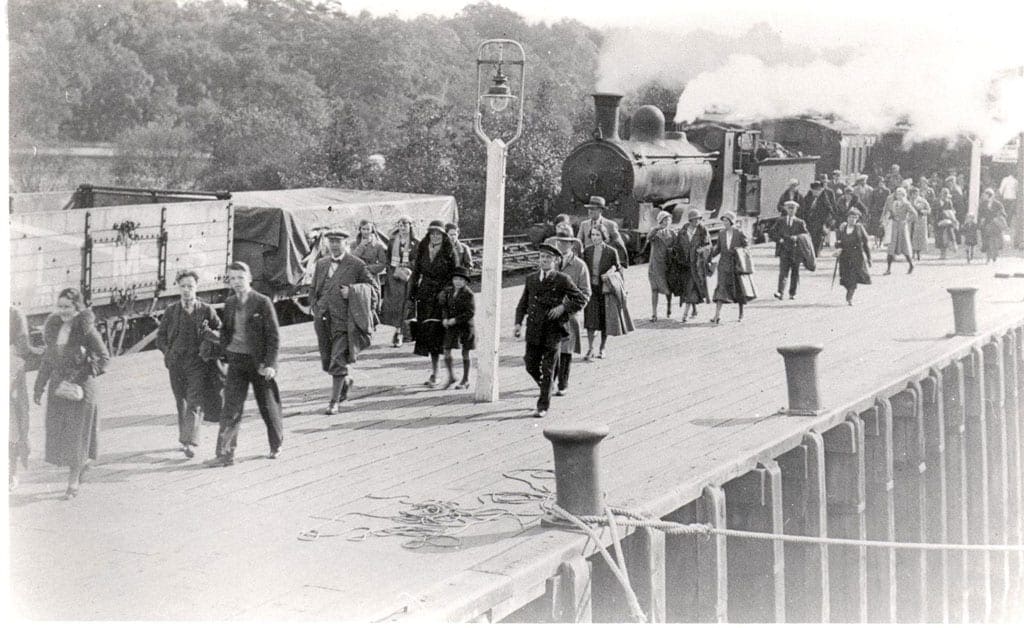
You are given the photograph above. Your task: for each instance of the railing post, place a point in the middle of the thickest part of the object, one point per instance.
(696, 566)
(979, 563)
(845, 488)
(645, 562)
(997, 472)
(956, 489)
(756, 568)
(577, 472)
(937, 575)
(964, 314)
(802, 379)
(1014, 462)
(909, 495)
(880, 519)
(804, 513)
(570, 594)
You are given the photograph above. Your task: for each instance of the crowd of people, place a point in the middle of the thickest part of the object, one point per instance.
(421, 289)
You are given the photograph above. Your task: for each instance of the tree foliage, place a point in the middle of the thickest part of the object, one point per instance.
(286, 93)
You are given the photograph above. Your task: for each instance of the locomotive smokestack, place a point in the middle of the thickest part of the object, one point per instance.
(606, 109)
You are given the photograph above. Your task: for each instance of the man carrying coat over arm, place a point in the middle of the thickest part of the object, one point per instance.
(549, 298)
(787, 229)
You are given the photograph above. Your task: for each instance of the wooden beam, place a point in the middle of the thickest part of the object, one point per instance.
(645, 561)
(956, 489)
(845, 490)
(937, 571)
(570, 592)
(696, 570)
(804, 513)
(975, 434)
(909, 495)
(998, 479)
(879, 512)
(756, 568)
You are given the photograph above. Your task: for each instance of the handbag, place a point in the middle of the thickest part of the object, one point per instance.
(747, 287)
(69, 391)
(401, 273)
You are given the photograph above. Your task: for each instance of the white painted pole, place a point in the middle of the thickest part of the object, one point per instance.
(974, 184)
(488, 317)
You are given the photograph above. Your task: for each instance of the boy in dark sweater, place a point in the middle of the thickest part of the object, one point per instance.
(457, 310)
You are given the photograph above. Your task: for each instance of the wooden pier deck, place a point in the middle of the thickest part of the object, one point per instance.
(154, 536)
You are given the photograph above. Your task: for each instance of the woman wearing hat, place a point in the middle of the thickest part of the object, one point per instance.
(432, 272)
(728, 289)
(400, 259)
(854, 252)
(691, 252)
(660, 239)
(947, 226)
(901, 214)
(600, 258)
(920, 226)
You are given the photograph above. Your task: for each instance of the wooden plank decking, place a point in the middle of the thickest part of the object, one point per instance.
(687, 406)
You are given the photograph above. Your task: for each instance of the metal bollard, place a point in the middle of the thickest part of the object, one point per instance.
(577, 473)
(802, 379)
(964, 318)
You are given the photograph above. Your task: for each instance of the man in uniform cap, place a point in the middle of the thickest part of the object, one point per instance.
(595, 208)
(787, 229)
(340, 315)
(577, 270)
(548, 299)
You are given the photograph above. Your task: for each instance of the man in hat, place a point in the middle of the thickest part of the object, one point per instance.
(342, 285)
(785, 234)
(577, 270)
(862, 190)
(792, 193)
(250, 341)
(595, 208)
(549, 298)
(817, 212)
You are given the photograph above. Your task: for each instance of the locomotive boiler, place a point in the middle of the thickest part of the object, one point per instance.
(708, 166)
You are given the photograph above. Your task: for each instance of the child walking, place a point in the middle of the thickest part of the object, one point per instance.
(457, 310)
(969, 232)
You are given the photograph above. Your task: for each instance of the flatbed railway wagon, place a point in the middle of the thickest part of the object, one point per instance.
(124, 257)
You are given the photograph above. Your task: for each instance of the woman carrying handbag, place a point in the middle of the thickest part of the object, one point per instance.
(75, 355)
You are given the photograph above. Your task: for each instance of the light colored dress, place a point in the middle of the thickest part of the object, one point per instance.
(924, 211)
(903, 215)
(661, 239)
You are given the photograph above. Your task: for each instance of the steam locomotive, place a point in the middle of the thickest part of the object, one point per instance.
(709, 166)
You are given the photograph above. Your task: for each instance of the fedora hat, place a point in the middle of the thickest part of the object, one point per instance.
(596, 202)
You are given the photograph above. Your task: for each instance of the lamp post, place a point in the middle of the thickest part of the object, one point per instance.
(495, 96)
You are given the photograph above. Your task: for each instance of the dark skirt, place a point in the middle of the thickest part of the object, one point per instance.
(594, 315)
(695, 287)
(72, 427)
(728, 289)
(853, 268)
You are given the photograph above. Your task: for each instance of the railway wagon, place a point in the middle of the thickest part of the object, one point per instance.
(124, 257)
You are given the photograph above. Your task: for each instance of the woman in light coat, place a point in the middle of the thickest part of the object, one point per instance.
(902, 214)
(401, 258)
(660, 239)
(924, 212)
(75, 355)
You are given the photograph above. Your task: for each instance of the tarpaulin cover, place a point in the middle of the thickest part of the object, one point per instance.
(274, 229)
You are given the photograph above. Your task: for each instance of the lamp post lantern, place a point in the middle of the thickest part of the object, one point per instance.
(495, 96)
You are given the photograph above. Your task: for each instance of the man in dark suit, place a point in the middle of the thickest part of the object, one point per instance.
(785, 233)
(549, 298)
(250, 343)
(333, 279)
(817, 211)
(196, 381)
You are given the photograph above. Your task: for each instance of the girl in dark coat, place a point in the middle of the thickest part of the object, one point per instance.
(457, 310)
(400, 259)
(854, 254)
(691, 250)
(728, 289)
(75, 354)
(432, 273)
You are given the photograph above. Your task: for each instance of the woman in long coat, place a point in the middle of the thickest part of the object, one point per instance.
(600, 258)
(924, 212)
(435, 265)
(75, 354)
(992, 223)
(690, 251)
(854, 252)
(660, 238)
(947, 225)
(725, 248)
(401, 257)
(17, 442)
(902, 214)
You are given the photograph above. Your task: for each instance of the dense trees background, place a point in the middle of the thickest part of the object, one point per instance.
(288, 93)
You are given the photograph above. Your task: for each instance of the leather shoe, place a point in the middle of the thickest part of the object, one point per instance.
(275, 453)
(778, 295)
(188, 452)
(560, 392)
(540, 413)
(219, 461)
(332, 407)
